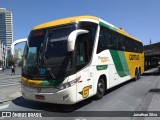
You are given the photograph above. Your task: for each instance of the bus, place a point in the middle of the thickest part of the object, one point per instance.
(71, 59)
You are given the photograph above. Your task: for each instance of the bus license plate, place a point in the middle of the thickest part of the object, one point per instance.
(40, 97)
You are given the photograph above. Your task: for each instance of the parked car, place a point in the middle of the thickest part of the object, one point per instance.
(1, 68)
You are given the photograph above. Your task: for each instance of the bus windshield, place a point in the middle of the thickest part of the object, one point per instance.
(56, 48)
(47, 49)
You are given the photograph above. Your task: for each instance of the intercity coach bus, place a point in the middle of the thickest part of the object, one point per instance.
(69, 60)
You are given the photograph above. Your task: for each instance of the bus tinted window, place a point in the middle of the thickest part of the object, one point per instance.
(114, 41)
(104, 40)
(109, 39)
(92, 28)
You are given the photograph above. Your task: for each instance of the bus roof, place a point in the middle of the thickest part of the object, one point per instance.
(64, 21)
(80, 18)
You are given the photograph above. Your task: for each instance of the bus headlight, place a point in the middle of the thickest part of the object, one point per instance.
(68, 84)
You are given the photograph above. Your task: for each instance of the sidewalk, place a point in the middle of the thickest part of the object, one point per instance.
(9, 77)
(6, 74)
(10, 92)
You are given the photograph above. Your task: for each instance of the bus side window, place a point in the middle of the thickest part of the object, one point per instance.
(122, 44)
(104, 40)
(81, 51)
(141, 47)
(127, 44)
(92, 28)
(100, 46)
(114, 41)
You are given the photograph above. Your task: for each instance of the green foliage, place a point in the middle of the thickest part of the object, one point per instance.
(10, 60)
(19, 63)
(0, 62)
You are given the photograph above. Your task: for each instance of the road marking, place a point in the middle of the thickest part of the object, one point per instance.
(9, 84)
(4, 106)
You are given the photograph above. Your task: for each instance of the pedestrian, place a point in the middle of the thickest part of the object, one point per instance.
(13, 70)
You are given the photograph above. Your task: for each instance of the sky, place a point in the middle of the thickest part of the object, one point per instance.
(140, 18)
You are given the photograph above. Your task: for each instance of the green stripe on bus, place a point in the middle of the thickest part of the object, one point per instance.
(52, 82)
(117, 63)
(107, 26)
(124, 62)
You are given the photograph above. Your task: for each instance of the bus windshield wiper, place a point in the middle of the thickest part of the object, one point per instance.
(42, 55)
(49, 69)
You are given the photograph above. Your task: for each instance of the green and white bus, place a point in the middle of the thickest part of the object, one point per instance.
(69, 60)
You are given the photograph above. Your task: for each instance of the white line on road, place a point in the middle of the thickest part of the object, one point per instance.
(9, 84)
(4, 106)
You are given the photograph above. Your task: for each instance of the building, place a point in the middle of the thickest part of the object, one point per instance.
(18, 53)
(3, 53)
(6, 28)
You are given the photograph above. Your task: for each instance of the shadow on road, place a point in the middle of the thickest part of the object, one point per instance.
(119, 86)
(157, 73)
(50, 107)
(20, 101)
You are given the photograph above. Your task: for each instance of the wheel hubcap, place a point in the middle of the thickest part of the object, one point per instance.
(100, 87)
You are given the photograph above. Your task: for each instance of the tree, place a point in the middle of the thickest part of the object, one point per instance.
(20, 63)
(10, 60)
(0, 62)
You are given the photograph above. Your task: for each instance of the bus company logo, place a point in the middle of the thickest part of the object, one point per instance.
(133, 57)
(85, 91)
(103, 59)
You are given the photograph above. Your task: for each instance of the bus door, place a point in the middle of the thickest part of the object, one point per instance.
(84, 71)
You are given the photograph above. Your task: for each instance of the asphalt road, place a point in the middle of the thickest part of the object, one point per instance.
(7, 80)
(128, 96)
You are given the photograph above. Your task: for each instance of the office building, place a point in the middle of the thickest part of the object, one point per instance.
(3, 53)
(6, 28)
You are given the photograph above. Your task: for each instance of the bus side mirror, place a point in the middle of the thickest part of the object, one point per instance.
(72, 38)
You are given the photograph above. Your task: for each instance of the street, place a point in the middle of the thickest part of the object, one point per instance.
(129, 96)
(9, 85)
(6, 79)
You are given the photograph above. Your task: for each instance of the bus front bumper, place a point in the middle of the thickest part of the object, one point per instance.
(50, 95)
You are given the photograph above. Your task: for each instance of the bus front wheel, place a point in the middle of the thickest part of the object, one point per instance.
(100, 89)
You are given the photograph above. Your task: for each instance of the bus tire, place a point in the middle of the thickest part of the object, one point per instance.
(100, 89)
(140, 72)
(136, 75)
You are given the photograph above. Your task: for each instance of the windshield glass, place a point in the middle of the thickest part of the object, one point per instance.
(32, 55)
(35, 40)
(56, 49)
(47, 49)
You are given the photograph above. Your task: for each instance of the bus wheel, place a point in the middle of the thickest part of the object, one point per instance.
(136, 75)
(100, 89)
